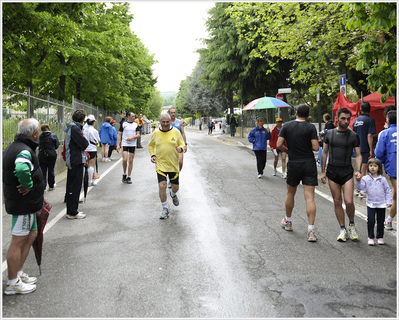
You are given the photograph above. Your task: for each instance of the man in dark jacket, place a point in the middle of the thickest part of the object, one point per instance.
(75, 145)
(23, 192)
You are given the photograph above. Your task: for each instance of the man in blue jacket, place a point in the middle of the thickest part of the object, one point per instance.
(258, 137)
(385, 151)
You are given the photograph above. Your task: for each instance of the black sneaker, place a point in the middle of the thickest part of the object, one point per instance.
(124, 178)
(129, 180)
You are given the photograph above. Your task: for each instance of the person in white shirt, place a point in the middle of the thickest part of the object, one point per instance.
(92, 136)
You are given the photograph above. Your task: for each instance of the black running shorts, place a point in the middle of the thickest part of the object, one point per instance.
(302, 171)
(129, 149)
(173, 177)
(339, 175)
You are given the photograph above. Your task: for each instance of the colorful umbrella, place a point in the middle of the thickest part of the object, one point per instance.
(41, 219)
(266, 103)
(85, 182)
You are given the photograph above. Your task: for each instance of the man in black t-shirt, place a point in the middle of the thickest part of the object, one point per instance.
(338, 145)
(301, 140)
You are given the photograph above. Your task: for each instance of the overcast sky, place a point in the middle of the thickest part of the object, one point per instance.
(171, 30)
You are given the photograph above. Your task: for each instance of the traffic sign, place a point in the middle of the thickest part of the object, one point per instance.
(279, 96)
(342, 80)
(284, 90)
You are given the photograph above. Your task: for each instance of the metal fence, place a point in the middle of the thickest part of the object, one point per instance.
(19, 105)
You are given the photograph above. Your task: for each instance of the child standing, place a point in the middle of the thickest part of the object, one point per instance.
(379, 197)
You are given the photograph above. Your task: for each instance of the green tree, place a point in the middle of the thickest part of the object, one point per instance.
(376, 55)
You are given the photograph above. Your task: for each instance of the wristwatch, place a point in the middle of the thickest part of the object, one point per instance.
(360, 171)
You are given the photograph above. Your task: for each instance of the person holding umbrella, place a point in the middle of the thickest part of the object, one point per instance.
(23, 192)
(258, 137)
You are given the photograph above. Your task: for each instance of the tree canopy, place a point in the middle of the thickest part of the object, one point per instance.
(81, 49)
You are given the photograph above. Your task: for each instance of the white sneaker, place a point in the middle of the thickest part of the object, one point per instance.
(26, 279)
(259, 176)
(19, 288)
(93, 184)
(284, 175)
(274, 172)
(80, 215)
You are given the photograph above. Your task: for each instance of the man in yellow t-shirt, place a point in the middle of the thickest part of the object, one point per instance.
(165, 145)
(140, 123)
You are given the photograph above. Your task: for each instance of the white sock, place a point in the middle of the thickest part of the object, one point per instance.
(389, 219)
(90, 172)
(164, 205)
(287, 218)
(19, 273)
(13, 281)
(172, 193)
(310, 227)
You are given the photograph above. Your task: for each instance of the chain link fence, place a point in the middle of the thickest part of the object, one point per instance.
(22, 105)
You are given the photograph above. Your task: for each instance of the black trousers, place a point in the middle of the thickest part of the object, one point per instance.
(73, 188)
(260, 160)
(371, 213)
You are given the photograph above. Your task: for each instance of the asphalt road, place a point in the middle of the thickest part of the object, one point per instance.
(221, 254)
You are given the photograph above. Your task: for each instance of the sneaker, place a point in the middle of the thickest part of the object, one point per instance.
(259, 176)
(274, 172)
(26, 279)
(370, 242)
(357, 192)
(124, 178)
(107, 160)
(311, 235)
(169, 185)
(388, 225)
(175, 199)
(93, 184)
(380, 241)
(287, 225)
(19, 288)
(129, 180)
(96, 176)
(352, 232)
(284, 175)
(361, 195)
(343, 235)
(50, 189)
(164, 214)
(80, 215)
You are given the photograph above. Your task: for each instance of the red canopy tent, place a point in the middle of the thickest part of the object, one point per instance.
(376, 110)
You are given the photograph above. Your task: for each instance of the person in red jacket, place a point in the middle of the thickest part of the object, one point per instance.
(273, 145)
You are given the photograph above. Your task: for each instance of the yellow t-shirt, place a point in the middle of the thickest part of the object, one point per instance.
(163, 145)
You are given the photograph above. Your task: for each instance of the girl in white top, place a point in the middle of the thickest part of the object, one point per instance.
(92, 136)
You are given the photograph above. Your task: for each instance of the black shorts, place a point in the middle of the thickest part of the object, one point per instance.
(339, 175)
(92, 154)
(129, 149)
(302, 171)
(365, 157)
(173, 177)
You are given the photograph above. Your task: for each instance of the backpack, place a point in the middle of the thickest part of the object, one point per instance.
(49, 151)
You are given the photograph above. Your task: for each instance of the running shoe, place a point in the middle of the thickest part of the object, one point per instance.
(388, 225)
(19, 288)
(311, 234)
(124, 178)
(380, 241)
(129, 180)
(284, 175)
(361, 195)
(370, 242)
(343, 236)
(93, 184)
(357, 192)
(26, 279)
(287, 225)
(274, 172)
(96, 176)
(352, 232)
(164, 214)
(259, 176)
(175, 199)
(80, 215)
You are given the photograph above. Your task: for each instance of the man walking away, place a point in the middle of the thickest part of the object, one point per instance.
(23, 192)
(301, 138)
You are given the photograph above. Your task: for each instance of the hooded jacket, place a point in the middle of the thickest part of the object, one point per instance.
(21, 167)
(258, 137)
(385, 151)
(75, 145)
(378, 192)
(106, 133)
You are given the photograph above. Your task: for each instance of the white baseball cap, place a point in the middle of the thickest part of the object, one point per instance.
(90, 117)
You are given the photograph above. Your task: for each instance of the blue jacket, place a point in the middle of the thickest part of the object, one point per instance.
(258, 137)
(114, 138)
(106, 134)
(385, 151)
